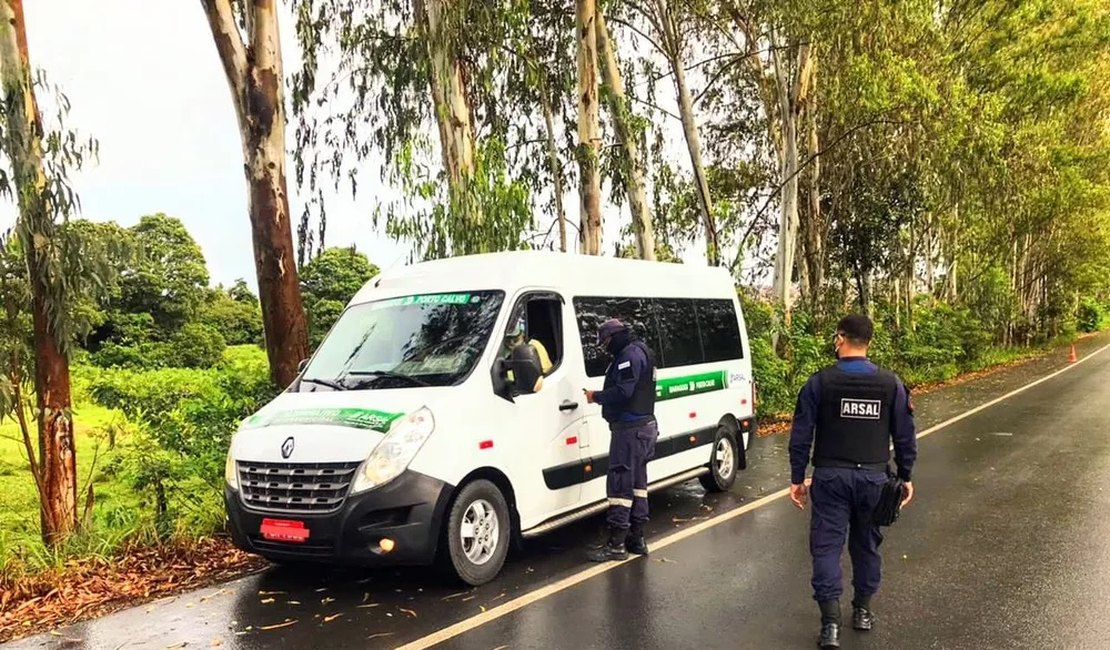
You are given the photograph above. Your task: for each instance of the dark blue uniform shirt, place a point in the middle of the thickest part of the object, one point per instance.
(805, 420)
(629, 364)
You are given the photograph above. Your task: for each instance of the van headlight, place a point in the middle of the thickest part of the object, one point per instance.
(231, 473)
(394, 453)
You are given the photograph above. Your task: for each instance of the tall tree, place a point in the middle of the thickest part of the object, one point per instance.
(40, 163)
(405, 69)
(589, 129)
(671, 24)
(624, 121)
(246, 37)
(451, 108)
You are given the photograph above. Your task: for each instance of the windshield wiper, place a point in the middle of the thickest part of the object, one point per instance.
(334, 385)
(374, 374)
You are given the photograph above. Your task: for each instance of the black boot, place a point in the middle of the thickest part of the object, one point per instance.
(635, 543)
(862, 616)
(830, 624)
(613, 550)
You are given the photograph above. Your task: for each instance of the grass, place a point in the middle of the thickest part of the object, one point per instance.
(20, 539)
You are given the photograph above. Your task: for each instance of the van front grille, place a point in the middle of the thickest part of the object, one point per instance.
(295, 487)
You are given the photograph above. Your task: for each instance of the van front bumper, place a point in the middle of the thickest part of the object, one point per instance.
(409, 511)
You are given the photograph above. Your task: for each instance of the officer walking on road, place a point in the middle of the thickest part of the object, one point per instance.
(848, 414)
(628, 404)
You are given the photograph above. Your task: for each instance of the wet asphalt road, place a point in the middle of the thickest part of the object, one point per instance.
(1005, 547)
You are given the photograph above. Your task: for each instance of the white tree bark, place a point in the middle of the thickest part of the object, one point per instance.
(790, 92)
(449, 97)
(642, 226)
(589, 128)
(672, 42)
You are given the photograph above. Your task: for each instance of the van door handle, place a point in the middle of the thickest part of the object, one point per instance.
(568, 406)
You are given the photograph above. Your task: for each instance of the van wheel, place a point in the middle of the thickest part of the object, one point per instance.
(723, 464)
(477, 535)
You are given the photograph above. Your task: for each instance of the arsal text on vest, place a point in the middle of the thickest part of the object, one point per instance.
(861, 409)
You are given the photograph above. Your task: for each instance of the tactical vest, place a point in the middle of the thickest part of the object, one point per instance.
(642, 401)
(854, 419)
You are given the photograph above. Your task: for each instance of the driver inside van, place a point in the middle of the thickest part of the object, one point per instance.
(516, 336)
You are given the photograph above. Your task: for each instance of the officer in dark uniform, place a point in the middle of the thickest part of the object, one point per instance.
(848, 414)
(628, 404)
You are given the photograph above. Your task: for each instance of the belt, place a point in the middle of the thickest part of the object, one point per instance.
(621, 425)
(847, 464)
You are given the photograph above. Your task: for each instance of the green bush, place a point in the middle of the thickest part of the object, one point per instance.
(195, 345)
(190, 413)
(1091, 316)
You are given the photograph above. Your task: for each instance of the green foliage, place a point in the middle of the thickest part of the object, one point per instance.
(196, 345)
(236, 315)
(169, 278)
(188, 413)
(1092, 315)
(328, 282)
(336, 274)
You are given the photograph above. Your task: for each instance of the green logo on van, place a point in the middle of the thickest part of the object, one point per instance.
(676, 387)
(357, 418)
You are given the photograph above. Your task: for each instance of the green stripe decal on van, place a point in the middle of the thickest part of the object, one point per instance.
(676, 387)
(357, 418)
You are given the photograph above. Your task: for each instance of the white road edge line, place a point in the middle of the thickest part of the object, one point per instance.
(520, 602)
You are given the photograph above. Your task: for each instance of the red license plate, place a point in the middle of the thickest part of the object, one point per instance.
(284, 530)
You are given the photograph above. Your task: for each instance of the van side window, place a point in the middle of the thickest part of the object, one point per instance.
(592, 312)
(720, 332)
(678, 324)
(681, 331)
(537, 320)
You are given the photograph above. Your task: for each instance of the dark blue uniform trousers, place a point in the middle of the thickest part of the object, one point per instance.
(843, 502)
(630, 449)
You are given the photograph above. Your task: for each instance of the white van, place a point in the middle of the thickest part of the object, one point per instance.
(404, 442)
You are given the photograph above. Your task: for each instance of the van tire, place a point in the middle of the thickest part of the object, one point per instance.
(723, 463)
(481, 508)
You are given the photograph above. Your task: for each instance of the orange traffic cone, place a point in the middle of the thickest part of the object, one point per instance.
(1071, 356)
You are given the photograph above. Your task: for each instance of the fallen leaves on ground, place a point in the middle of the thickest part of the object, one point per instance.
(408, 611)
(277, 626)
(329, 619)
(94, 586)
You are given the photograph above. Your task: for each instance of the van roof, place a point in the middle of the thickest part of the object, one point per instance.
(569, 273)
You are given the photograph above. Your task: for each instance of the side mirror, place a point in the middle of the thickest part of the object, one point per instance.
(302, 365)
(527, 372)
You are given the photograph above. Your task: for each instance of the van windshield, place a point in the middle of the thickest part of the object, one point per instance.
(413, 341)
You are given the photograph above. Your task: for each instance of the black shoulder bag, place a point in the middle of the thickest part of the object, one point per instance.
(890, 503)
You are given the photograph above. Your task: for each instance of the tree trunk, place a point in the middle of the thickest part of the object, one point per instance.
(790, 94)
(673, 43)
(589, 128)
(254, 75)
(619, 107)
(23, 146)
(813, 228)
(555, 165)
(452, 113)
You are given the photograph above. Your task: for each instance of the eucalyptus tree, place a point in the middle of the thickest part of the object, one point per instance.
(245, 33)
(47, 282)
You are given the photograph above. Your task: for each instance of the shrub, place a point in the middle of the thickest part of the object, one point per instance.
(189, 413)
(1091, 316)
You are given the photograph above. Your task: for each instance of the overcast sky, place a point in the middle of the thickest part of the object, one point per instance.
(144, 79)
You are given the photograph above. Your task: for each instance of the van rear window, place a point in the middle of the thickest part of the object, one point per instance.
(681, 331)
